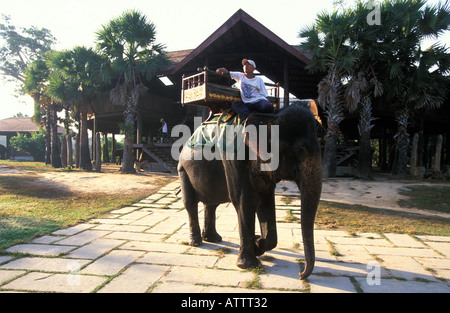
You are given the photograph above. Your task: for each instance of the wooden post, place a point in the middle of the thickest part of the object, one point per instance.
(69, 151)
(286, 83)
(98, 153)
(105, 148)
(64, 152)
(139, 128)
(94, 131)
(413, 167)
(77, 150)
(437, 155)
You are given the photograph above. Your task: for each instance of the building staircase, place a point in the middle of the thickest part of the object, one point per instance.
(161, 154)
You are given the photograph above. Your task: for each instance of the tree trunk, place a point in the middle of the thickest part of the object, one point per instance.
(69, 151)
(105, 148)
(56, 156)
(77, 150)
(329, 155)
(400, 168)
(401, 154)
(128, 159)
(85, 158)
(365, 150)
(329, 100)
(129, 130)
(365, 156)
(64, 152)
(48, 140)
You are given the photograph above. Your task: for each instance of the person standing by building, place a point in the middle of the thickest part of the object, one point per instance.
(163, 129)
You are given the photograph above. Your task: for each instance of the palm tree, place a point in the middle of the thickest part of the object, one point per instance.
(35, 84)
(129, 42)
(77, 79)
(327, 41)
(414, 78)
(363, 85)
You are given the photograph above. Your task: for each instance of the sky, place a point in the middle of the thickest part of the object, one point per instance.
(180, 24)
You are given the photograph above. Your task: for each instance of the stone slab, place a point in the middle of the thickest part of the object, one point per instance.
(95, 249)
(83, 238)
(37, 249)
(326, 284)
(406, 268)
(5, 258)
(135, 236)
(208, 276)
(413, 252)
(8, 275)
(155, 247)
(402, 240)
(135, 279)
(112, 263)
(179, 259)
(45, 282)
(45, 264)
(72, 230)
(401, 286)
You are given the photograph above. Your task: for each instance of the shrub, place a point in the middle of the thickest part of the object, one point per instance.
(33, 145)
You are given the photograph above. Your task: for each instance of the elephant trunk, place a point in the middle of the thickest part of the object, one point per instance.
(310, 185)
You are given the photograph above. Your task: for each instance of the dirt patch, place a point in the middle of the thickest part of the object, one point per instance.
(381, 193)
(109, 181)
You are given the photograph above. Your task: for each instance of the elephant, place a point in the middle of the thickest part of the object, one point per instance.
(252, 191)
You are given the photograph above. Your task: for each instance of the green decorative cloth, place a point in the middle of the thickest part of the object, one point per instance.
(224, 136)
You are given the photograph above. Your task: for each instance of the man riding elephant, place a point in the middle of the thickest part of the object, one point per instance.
(253, 90)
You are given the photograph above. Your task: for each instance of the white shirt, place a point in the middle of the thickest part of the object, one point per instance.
(252, 89)
(164, 129)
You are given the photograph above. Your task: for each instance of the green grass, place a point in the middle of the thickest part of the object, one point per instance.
(434, 198)
(28, 210)
(357, 219)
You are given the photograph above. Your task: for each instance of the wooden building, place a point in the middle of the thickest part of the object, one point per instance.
(239, 37)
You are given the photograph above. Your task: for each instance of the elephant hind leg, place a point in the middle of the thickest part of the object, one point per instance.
(209, 232)
(190, 202)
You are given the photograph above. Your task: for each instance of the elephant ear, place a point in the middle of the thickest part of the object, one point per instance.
(254, 127)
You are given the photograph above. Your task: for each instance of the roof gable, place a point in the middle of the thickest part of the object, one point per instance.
(241, 36)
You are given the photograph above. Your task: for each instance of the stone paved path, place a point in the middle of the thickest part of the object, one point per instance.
(142, 248)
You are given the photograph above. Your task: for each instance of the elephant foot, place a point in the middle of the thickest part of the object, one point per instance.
(212, 237)
(247, 262)
(259, 250)
(196, 241)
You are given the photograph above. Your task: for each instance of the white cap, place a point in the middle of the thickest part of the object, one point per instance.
(245, 61)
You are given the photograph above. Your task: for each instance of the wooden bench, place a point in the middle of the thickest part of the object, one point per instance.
(199, 90)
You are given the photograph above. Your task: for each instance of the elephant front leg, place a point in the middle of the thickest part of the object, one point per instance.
(267, 220)
(248, 249)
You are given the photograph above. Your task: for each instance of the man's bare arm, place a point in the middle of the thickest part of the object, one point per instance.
(223, 72)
